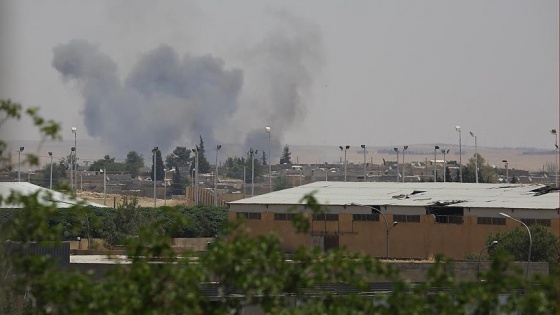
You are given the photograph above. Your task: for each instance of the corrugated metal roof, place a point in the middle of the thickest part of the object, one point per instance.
(61, 200)
(518, 196)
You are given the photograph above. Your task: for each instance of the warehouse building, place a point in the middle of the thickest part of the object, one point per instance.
(400, 220)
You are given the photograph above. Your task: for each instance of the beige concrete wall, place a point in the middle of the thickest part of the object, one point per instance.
(406, 240)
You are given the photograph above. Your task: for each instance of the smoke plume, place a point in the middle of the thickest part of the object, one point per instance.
(168, 100)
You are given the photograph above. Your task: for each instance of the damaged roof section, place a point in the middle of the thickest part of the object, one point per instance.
(513, 196)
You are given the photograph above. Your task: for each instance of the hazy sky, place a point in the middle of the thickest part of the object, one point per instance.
(144, 73)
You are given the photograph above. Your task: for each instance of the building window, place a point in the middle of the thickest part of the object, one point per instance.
(325, 217)
(451, 219)
(249, 215)
(404, 218)
(491, 221)
(365, 217)
(543, 222)
(284, 216)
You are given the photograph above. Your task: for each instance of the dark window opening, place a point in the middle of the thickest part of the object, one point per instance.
(451, 215)
(365, 217)
(331, 242)
(491, 221)
(284, 216)
(404, 218)
(325, 217)
(249, 215)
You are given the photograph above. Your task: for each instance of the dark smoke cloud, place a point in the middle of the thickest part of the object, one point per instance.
(169, 100)
(287, 60)
(165, 101)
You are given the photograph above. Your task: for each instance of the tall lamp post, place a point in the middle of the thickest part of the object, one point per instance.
(269, 160)
(444, 163)
(507, 171)
(251, 151)
(530, 241)
(555, 134)
(50, 185)
(196, 170)
(154, 150)
(475, 157)
(435, 162)
(19, 164)
(363, 146)
(480, 254)
(458, 128)
(397, 150)
(75, 184)
(104, 171)
(218, 147)
(345, 148)
(72, 161)
(403, 165)
(387, 228)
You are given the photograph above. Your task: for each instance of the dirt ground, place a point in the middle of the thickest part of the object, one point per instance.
(114, 200)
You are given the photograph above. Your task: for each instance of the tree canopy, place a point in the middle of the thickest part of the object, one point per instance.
(486, 173)
(286, 155)
(134, 162)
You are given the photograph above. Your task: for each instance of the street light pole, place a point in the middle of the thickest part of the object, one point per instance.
(530, 241)
(403, 165)
(154, 150)
(435, 163)
(397, 150)
(218, 147)
(196, 170)
(19, 164)
(104, 186)
(480, 254)
(72, 161)
(555, 134)
(365, 169)
(507, 172)
(75, 184)
(444, 163)
(253, 171)
(475, 157)
(387, 229)
(269, 160)
(345, 161)
(50, 185)
(458, 128)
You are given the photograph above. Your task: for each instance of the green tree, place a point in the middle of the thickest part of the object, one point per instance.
(286, 156)
(180, 157)
(516, 243)
(160, 170)
(108, 163)
(134, 162)
(486, 173)
(234, 167)
(179, 182)
(58, 173)
(263, 158)
(203, 164)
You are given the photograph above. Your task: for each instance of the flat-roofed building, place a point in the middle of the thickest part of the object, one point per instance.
(453, 219)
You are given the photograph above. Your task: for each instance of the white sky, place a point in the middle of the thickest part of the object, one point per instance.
(391, 72)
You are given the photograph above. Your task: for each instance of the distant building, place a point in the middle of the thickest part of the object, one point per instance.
(453, 219)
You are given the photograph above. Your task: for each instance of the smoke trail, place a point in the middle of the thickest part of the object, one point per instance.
(168, 100)
(165, 101)
(286, 62)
